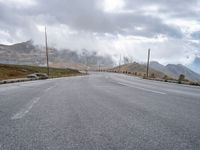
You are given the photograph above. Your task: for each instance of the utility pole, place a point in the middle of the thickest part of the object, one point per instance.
(47, 53)
(99, 67)
(86, 64)
(119, 63)
(148, 63)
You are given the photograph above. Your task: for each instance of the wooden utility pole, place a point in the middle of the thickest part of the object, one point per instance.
(119, 63)
(148, 62)
(99, 67)
(47, 53)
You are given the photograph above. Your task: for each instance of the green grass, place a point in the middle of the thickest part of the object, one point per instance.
(21, 71)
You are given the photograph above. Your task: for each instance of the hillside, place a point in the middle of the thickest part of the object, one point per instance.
(26, 53)
(24, 47)
(175, 70)
(22, 53)
(21, 71)
(140, 69)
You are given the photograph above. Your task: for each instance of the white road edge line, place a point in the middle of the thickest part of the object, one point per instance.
(157, 92)
(25, 110)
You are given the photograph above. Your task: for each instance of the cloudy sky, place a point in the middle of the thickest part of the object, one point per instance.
(171, 28)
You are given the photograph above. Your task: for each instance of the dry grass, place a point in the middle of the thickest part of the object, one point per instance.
(21, 71)
(139, 69)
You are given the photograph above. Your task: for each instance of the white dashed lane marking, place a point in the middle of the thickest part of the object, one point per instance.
(144, 89)
(25, 110)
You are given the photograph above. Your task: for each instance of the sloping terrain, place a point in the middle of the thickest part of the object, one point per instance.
(21, 71)
(140, 69)
(29, 54)
(175, 70)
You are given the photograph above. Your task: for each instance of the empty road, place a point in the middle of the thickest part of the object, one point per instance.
(101, 111)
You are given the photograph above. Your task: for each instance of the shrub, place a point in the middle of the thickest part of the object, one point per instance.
(195, 83)
(152, 75)
(165, 78)
(181, 78)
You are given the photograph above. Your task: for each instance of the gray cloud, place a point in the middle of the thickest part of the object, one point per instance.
(196, 35)
(85, 15)
(182, 8)
(89, 22)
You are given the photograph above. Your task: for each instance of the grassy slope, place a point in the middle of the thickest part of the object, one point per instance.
(139, 68)
(20, 71)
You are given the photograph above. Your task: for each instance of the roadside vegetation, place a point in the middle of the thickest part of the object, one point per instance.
(156, 77)
(8, 71)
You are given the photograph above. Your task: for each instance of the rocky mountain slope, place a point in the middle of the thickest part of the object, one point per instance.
(174, 71)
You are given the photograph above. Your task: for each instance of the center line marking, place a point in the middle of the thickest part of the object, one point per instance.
(25, 110)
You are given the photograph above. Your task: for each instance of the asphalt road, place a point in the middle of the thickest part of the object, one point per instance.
(99, 111)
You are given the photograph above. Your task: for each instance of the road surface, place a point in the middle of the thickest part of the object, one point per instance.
(99, 111)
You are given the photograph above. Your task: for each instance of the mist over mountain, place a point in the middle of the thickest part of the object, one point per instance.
(28, 53)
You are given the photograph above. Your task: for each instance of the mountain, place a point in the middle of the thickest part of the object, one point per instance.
(160, 70)
(24, 47)
(157, 66)
(175, 70)
(139, 68)
(21, 53)
(28, 53)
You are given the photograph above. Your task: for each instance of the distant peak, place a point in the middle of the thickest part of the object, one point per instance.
(154, 62)
(29, 42)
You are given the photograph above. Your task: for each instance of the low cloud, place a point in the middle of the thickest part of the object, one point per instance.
(114, 27)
